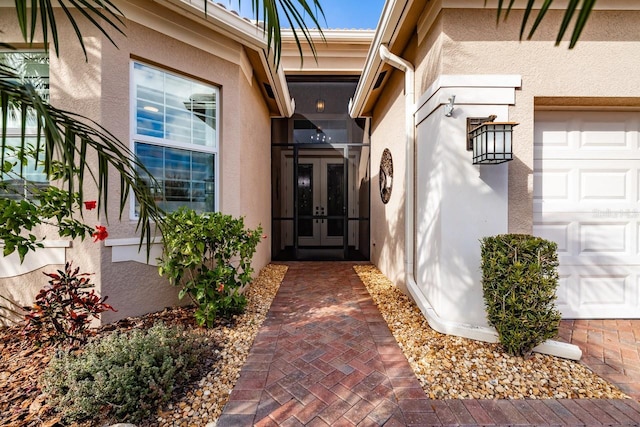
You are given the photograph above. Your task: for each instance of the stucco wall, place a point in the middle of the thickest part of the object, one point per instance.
(387, 220)
(74, 86)
(602, 65)
(100, 90)
(254, 162)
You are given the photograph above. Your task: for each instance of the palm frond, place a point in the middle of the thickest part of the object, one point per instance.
(578, 10)
(67, 137)
(295, 12)
(102, 14)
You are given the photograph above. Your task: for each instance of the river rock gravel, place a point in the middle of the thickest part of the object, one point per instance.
(451, 367)
(447, 367)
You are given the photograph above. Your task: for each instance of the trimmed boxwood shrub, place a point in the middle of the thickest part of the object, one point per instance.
(519, 282)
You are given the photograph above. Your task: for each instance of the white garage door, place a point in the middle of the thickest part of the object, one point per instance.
(587, 199)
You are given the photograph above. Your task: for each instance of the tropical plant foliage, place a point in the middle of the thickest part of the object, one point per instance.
(578, 9)
(63, 310)
(69, 137)
(209, 257)
(294, 17)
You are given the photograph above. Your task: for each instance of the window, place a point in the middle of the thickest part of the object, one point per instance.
(175, 136)
(33, 67)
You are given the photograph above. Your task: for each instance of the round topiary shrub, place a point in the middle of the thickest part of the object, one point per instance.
(123, 376)
(519, 282)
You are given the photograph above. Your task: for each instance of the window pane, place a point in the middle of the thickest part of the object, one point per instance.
(25, 175)
(174, 108)
(184, 178)
(34, 69)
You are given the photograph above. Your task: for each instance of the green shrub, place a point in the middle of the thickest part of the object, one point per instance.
(209, 257)
(123, 376)
(519, 281)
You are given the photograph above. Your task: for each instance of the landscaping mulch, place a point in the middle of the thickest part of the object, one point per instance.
(23, 404)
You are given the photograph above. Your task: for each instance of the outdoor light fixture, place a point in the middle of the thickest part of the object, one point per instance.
(490, 141)
(449, 106)
(320, 105)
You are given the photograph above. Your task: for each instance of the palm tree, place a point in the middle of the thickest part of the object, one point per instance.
(581, 9)
(66, 137)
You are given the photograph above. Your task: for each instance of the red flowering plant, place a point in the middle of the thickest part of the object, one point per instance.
(63, 310)
(27, 205)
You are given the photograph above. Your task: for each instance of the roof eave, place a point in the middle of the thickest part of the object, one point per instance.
(245, 32)
(391, 19)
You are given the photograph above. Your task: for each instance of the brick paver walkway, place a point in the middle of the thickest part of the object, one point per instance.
(610, 348)
(324, 356)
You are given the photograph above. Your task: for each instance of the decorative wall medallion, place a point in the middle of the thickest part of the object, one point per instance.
(386, 176)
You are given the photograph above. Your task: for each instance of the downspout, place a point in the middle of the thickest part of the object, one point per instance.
(480, 333)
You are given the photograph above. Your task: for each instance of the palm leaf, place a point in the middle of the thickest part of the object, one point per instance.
(578, 9)
(102, 14)
(67, 137)
(294, 12)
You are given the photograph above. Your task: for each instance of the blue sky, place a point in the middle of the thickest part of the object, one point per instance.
(340, 14)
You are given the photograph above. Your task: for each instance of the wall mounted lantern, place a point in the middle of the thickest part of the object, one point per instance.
(490, 141)
(320, 105)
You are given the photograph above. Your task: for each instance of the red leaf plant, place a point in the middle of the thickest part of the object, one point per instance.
(63, 309)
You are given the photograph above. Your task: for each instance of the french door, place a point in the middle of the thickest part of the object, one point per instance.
(321, 201)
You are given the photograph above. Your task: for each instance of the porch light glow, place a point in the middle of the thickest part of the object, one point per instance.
(491, 142)
(320, 105)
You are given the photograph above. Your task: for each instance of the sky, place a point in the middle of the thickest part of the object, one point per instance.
(339, 14)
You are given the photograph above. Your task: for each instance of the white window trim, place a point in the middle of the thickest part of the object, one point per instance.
(134, 137)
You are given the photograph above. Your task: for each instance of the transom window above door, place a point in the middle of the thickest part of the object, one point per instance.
(175, 136)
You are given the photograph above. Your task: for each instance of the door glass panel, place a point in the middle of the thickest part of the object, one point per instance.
(335, 199)
(305, 199)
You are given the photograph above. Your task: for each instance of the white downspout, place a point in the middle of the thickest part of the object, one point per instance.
(480, 333)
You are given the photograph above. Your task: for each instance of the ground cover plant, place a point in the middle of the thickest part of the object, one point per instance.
(124, 377)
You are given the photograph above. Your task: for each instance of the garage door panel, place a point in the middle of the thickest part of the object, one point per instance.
(557, 232)
(598, 292)
(606, 185)
(553, 184)
(605, 239)
(587, 199)
(605, 135)
(581, 185)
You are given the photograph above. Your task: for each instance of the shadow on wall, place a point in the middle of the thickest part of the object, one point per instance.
(387, 232)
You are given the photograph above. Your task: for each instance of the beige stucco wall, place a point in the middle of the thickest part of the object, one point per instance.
(387, 220)
(600, 71)
(100, 90)
(604, 64)
(388, 131)
(82, 96)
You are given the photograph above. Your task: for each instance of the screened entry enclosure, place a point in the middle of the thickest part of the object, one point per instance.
(320, 176)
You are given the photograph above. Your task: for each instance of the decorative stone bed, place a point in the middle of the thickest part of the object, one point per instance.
(448, 367)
